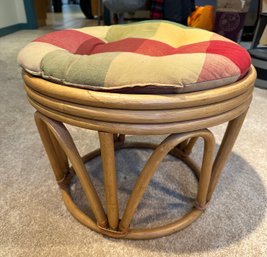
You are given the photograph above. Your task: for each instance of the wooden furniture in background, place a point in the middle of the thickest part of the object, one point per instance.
(94, 4)
(40, 10)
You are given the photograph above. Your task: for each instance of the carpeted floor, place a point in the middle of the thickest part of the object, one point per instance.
(34, 221)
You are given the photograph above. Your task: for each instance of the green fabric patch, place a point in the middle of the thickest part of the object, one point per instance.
(77, 69)
(55, 63)
(135, 30)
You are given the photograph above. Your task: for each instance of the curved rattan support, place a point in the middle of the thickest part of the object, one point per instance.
(49, 129)
(153, 163)
(59, 146)
(55, 135)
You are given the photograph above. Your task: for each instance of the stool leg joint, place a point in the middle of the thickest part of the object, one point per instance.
(113, 233)
(201, 207)
(65, 180)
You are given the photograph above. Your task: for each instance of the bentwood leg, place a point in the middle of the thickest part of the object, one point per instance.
(110, 181)
(225, 149)
(62, 136)
(56, 156)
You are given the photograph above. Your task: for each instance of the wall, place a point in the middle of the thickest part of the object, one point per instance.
(16, 15)
(12, 12)
(20, 9)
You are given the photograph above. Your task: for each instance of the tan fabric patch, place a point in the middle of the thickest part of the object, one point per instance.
(134, 69)
(31, 55)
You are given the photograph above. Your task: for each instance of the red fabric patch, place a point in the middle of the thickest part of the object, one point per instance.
(155, 48)
(124, 45)
(88, 46)
(148, 47)
(234, 52)
(70, 40)
(200, 47)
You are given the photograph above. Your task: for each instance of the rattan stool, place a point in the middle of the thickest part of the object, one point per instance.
(185, 117)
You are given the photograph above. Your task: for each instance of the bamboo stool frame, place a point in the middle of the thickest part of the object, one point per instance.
(184, 117)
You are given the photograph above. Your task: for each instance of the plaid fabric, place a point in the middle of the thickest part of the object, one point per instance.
(157, 9)
(153, 57)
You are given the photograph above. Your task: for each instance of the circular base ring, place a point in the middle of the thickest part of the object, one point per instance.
(134, 233)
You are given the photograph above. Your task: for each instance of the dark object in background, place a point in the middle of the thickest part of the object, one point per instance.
(251, 20)
(259, 54)
(86, 8)
(178, 10)
(107, 17)
(157, 9)
(230, 18)
(124, 6)
(230, 24)
(57, 4)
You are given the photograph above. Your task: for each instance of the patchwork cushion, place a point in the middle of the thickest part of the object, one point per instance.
(144, 57)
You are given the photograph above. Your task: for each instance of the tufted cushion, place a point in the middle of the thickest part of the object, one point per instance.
(144, 57)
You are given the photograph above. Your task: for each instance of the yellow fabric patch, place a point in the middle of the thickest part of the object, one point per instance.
(177, 36)
(98, 31)
(170, 34)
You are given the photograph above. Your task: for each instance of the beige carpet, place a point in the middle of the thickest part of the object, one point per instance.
(34, 221)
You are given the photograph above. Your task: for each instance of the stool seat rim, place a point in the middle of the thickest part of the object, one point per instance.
(143, 114)
(139, 101)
